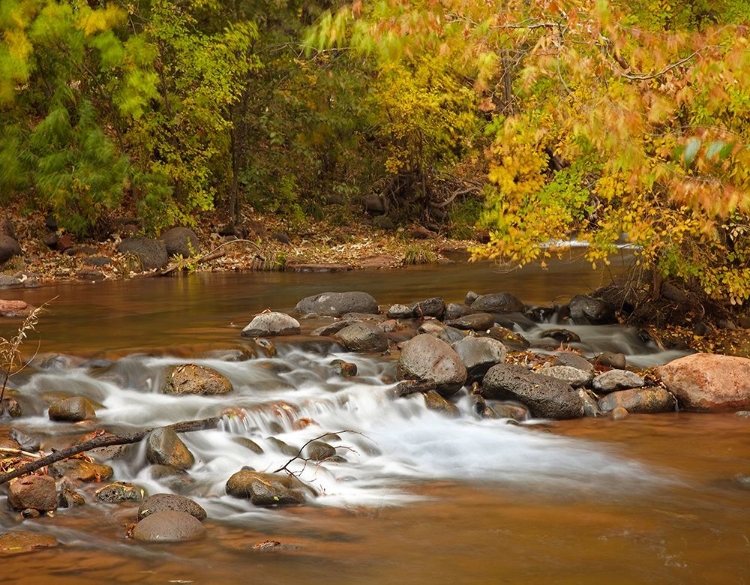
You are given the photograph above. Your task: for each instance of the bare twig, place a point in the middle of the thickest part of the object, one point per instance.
(644, 76)
(285, 467)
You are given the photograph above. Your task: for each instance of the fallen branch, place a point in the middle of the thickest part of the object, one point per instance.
(212, 255)
(104, 440)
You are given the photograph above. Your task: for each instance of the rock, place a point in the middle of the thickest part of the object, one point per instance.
(333, 328)
(475, 322)
(249, 444)
(562, 335)
(11, 407)
(169, 526)
(164, 447)
(170, 503)
(433, 401)
(503, 302)
(363, 336)
(617, 380)
(586, 310)
(619, 413)
(25, 441)
(544, 396)
(17, 541)
(319, 451)
(611, 359)
(511, 340)
(97, 261)
(69, 498)
(12, 309)
(81, 470)
(573, 376)
(590, 404)
(383, 222)
(479, 354)
(120, 492)
(35, 492)
(374, 204)
(150, 253)
(400, 312)
(708, 382)
(265, 489)
(427, 358)
(181, 241)
(73, 409)
(345, 369)
(7, 229)
(568, 358)
(7, 281)
(456, 310)
(65, 244)
(470, 297)
(317, 268)
(639, 401)
(434, 307)
(337, 304)
(513, 411)
(407, 387)
(195, 379)
(282, 447)
(443, 332)
(271, 323)
(8, 248)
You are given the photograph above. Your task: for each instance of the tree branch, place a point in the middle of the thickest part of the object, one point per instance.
(644, 76)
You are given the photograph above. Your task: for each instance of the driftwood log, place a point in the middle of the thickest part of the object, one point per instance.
(104, 440)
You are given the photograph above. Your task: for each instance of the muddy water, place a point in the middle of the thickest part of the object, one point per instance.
(420, 498)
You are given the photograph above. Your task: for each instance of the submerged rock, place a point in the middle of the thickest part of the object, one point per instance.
(337, 304)
(170, 502)
(427, 358)
(195, 379)
(169, 526)
(707, 382)
(271, 323)
(544, 396)
(18, 541)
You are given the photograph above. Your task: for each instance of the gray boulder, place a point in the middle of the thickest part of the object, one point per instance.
(164, 447)
(586, 310)
(503, 302)
(195, 379)
(170, 503)
(544, 396)
(271, 323)
(617, 380)
(363, 336)
(434, 307)
(568, 358)
(8, 248)
(445, 332)
(475, 322)
(639, 401)
(181, 241)
(73, 409)
(337, 304)
(265, 489)
(400, 312)
(428, 358)
(573, 376)
(151, 253)
(479, 354)
(456, 310)
(169, 526)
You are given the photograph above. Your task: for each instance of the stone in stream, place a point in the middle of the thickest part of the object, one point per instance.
(619, 413)
(337, 304)
(17, 541)
(12, 309)
(363, 336)
(266, 489)
(444, 332)
(195, 379)
(475, 322)
(400, 312)
(456, 310)
(319, 451)
(639, 401)
(586, 310)
(25, 441)
(150, 253)
(270, 324)
(612, 359)
(249, 444)
(434, 307)
(169, 526)
(181, 241)
(73, 409)
(568, 358)
(707, 382)
(344, 369)
(561, 335)
(282, 447)
(433, 401)
(69, 498)
(120, 492)
(573, 376)
(164, 447)
(511, 340)
(170, 502)
(479, 354)
(81, 470)
(503, 302)
(544, 396)
(425, 357)
(617, 380)
(33, 492)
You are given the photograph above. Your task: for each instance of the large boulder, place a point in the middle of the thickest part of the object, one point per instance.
(503, 302)
(181, 241)
(265, 489)
(8, 248)
(271, 323)
(169, 526)
(337, 304)
(428, 358)
(479, 354)
(708, 382)
(433, 307)
(363, 336)
(150, 253)
(586, 310)
(164, 447)
(639, 401)
(34, 492)
(544, 396)
(195, 379)
(73, 409)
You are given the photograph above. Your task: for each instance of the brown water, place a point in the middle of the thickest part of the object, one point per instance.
(650, 499)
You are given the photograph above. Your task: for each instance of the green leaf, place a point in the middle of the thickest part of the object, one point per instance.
(691, 150)
(714, 148)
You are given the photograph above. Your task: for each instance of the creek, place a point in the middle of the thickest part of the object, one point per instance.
(419, 498)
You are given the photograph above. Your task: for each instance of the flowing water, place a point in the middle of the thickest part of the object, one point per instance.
(417, 497)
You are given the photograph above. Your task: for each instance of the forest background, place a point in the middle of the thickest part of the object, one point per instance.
(539, 120)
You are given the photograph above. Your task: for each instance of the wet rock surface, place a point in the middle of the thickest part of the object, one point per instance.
(363, 337)
(195, 379)
(425, 357)
(19, 541)
(265, 489)
(169, 526)
(270, 324)
(73, 409)
(337, 304)
(164, 447)
(34, 492)
(170, 502)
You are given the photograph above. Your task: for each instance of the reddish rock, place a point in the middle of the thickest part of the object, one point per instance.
(708, 382)
(35, 492)
(15, 308)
